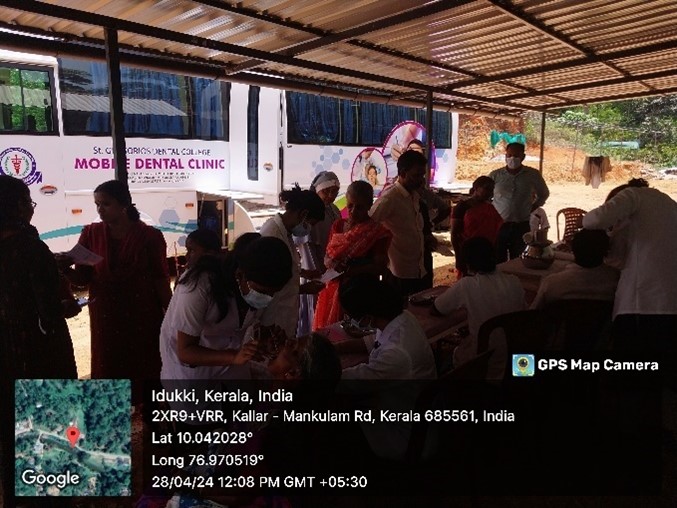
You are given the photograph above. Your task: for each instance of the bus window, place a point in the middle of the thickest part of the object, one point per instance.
(318, 120)
(253, 133)
(441, 127)
(156, 104)
(377, 120)
(25, 101)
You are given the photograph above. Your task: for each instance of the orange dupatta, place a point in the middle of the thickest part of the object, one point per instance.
(343, 247)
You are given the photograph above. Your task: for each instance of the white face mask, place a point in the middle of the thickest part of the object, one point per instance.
(256, 299)
(368, 328)
(513, 162)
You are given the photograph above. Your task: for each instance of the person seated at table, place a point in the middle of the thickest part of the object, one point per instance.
(474, 217)
(400, 354)
(588, 278)
(485, 292)
(401, 349)
(357, 245)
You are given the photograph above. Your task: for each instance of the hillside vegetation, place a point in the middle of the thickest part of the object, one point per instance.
(639, 136)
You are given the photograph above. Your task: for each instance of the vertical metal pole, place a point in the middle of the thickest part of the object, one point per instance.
(429, 135)
(229, 222)
(117, 125)
(540, 158)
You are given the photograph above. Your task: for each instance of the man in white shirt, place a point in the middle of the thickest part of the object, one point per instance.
(401, 349)
(588, 279)
(398, 209)
(400, 354)
(645, 308)
(485, 292)
(516, 186)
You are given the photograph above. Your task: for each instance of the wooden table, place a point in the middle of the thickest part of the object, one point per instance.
(530, 278)
(436, 328)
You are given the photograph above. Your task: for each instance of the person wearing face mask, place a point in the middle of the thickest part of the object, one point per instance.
(303, 209)
(215, 302)
(313, 247)
(516, 186)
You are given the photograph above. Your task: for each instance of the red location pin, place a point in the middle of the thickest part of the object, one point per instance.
(72, 433)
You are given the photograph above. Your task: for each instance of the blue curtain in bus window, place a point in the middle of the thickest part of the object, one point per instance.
(210, 108)
(99, 118)
(253, 133)
(154, 103)
(348, 122)
(377, 120)
(312, 119)
(441, 127)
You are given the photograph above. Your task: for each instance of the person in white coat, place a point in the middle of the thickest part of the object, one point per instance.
(401, 349)
(303, 209)
(400, 355)
(645, 308)
(214, 303)
(485, 293)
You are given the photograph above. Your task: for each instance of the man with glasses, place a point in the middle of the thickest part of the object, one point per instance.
(516, 186)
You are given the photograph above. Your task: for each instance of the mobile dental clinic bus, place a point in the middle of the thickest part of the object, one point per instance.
(195, 146)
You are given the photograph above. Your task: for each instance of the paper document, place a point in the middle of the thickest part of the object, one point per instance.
(329, 275)
(83, 256)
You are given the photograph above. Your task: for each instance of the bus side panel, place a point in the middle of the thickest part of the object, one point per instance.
(303, 162)
(266, 181)
(37, 160)
(173, 212)
(446, 167)
(152, 163)
(163, 177)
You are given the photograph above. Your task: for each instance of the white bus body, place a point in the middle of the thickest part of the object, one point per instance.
(172, 180)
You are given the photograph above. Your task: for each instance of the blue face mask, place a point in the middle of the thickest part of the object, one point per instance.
(301, 229)
(255, 299)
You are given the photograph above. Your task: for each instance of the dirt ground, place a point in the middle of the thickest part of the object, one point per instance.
(562, 195)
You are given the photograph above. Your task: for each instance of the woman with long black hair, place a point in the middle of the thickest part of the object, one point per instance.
(213, 305)
(128, 290)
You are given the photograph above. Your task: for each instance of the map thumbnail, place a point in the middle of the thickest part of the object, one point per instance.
(72, 437)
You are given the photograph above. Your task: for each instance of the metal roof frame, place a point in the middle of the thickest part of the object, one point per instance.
(555, 54)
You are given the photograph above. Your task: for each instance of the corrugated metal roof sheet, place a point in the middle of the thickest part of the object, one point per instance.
(497, 56)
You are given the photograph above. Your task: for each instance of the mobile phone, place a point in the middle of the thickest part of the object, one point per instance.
(83, 301)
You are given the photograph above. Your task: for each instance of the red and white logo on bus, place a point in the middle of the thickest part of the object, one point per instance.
(20, 163)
